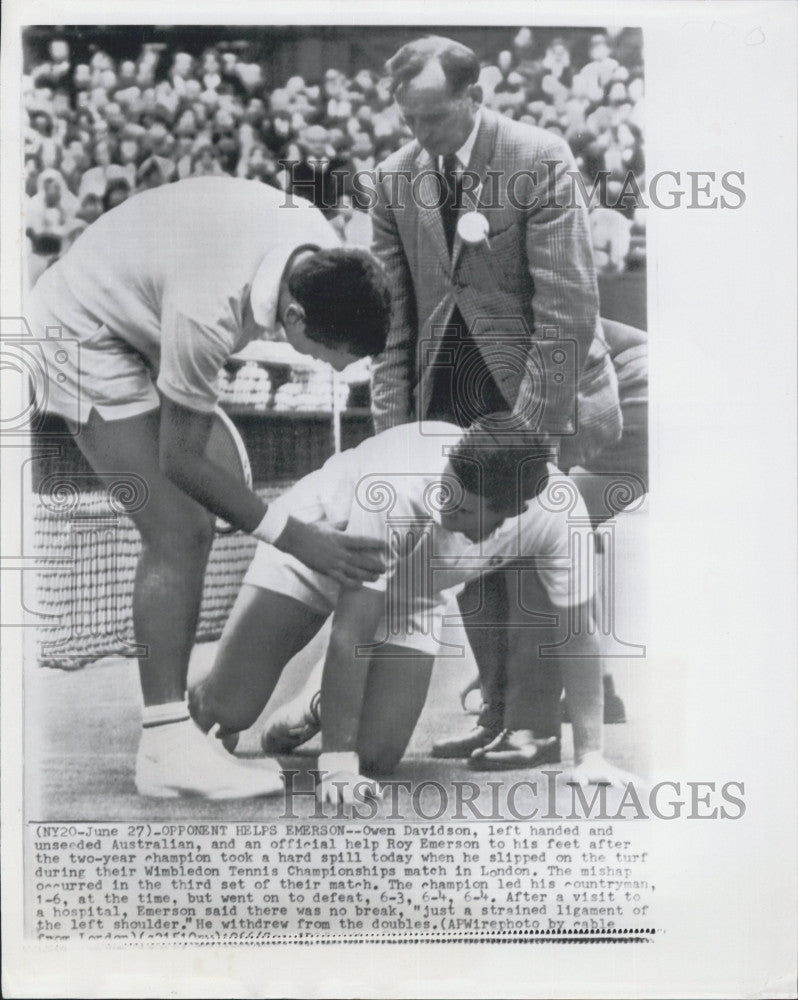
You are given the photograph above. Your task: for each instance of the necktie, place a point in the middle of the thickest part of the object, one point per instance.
(453, 189)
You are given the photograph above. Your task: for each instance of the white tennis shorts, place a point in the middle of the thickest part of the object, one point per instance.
(107, 375)
(414, 624)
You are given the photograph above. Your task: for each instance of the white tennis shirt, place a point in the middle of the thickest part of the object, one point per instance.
(389, 488)
(188, 273)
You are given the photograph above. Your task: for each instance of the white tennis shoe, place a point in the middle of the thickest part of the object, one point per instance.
(178, 759)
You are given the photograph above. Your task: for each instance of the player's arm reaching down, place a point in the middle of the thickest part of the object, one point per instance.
(343, 690)
(348, 559)
(584, 692)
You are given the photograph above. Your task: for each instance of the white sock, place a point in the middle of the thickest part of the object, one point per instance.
(157, 716)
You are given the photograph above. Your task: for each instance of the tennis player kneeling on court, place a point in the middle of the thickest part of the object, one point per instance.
(450, 504)
(159, 293)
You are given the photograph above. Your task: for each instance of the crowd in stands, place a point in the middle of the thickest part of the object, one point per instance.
(100, 131)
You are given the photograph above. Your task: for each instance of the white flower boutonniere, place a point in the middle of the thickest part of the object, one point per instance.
(473, 228)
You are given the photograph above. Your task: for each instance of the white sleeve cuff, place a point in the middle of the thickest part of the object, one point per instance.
(273, 524)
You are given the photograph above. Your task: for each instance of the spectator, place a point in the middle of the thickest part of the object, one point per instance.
(118, 190)
(205, 162)
(558, 62)
(40, 139)
(150, 118)
(184, 149)
(51, 209)
(153, 172)
(593, 79)
(612, 238)
(95, 179)
(509, 95)
(129, 155)
(318, 175)
(33, 168)
(491, 76)
(228, 153)
(91, 208)
(50, 214)
(276, 133)
(361, 153)
(260, 165)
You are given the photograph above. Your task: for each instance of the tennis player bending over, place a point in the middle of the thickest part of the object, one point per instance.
(450, 504)
(159, 292)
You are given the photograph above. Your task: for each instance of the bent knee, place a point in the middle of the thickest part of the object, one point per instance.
(185, 530)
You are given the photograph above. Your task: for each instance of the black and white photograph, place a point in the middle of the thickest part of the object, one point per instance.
(375, 578)
(446, 314)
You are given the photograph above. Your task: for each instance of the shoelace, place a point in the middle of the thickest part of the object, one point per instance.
(498, 740)
(505, 734)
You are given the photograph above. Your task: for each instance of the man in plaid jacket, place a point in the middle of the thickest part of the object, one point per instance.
(470, 315)
(494, 296)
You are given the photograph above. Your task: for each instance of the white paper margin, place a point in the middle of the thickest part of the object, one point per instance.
(721, 95)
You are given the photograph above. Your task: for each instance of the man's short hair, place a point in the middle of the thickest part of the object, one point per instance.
(460, 65)
(344, 293)
(507, 467)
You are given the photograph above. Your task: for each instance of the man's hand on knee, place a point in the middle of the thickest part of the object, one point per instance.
(348, 559)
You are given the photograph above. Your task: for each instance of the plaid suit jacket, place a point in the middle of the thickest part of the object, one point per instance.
(533, 278)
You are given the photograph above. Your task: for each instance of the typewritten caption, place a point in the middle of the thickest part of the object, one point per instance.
(242, 882)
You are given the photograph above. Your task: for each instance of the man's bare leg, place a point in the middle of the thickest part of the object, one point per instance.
(264, 631)
(299, 720)
(483, 609)
(396, 690)
(176, 535)
(176, 532)
(395, 693)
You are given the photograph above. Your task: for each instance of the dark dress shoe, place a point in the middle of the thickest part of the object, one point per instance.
(506, 752)
(614, 709)
(463, 746)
